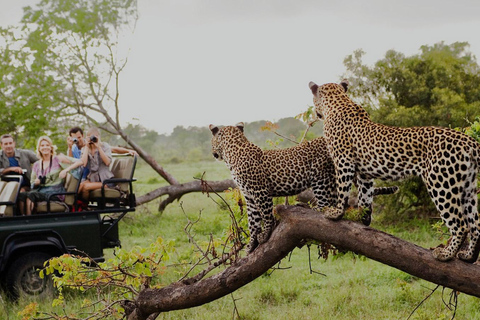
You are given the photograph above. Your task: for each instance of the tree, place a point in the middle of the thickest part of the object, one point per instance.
(26, 109)
(440, 86)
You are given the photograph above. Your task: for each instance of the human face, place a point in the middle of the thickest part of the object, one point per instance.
(8, 146)
(45, 148)
(78, 135)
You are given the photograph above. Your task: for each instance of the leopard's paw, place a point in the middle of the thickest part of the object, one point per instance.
(251, 246)
(442, 254)
(332, 213)
(466, 256)
(264, 236)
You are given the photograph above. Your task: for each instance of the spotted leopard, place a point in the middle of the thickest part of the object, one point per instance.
(263, 174)
(445, 159)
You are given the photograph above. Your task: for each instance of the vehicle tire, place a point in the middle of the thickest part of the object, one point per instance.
(23, 277)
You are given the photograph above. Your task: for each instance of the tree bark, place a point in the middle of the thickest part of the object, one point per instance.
(297, 223)
(176, 191)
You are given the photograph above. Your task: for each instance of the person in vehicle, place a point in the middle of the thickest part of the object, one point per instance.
(16, 161)
(48, 175)
(96, 157)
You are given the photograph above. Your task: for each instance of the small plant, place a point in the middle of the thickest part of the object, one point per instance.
(121, 277)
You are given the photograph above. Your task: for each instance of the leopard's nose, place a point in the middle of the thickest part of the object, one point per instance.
(215, 155)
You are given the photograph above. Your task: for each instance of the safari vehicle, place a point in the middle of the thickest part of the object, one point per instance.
(57, 228)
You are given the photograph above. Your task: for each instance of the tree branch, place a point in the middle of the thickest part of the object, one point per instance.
(297, 223)
(176, 191)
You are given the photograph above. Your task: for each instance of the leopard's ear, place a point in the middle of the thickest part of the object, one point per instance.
(240, 126)
(344, 84)
(314, 87)
(213, 128)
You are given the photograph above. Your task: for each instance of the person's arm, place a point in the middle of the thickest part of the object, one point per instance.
(103, 155)
(32, 156)
(122, 150)
(73, 165)
(69, 146)
(84, 157)
(33, 178)
(15, 170)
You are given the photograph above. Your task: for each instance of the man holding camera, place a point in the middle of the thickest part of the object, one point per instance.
(75, 142)
(16, 161)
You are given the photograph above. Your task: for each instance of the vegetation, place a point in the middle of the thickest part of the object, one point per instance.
(63, 62)
(439, 86)
(344, 286)
(62, 66)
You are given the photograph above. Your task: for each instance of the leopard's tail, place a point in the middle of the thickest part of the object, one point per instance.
(384, 190)
(478, 155)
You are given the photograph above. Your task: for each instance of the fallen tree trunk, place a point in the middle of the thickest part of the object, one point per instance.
(297, 223)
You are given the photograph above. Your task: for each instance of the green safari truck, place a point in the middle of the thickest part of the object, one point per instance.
(26, 242)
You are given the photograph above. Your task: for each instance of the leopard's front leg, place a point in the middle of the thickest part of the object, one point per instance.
(254, 222)
(344, 176)
(265, 204)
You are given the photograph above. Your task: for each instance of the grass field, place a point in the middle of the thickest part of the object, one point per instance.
(344, 287)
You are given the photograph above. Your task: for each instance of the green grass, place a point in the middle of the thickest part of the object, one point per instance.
(346, 287)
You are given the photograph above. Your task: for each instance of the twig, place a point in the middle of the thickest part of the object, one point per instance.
(451, 305)
(310, 262)
(421, 302)
(235, 309)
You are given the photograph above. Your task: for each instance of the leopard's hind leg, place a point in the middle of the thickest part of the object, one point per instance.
(448, 199)
(470, 210)
(365, 198)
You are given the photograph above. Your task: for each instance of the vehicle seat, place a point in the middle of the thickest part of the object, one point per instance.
(8, 197)
(71, 186)
(122, 167)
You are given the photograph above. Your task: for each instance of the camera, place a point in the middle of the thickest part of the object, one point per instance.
(93, 139)
(75, 140)
(43, 179)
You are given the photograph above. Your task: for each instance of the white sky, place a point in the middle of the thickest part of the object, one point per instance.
(196, 62)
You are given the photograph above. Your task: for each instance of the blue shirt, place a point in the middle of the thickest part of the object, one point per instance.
(13, 162)
(77, 154)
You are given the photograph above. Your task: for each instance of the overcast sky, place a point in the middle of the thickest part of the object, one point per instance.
(196, 62)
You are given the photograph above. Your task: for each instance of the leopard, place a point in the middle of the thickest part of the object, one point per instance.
(446, 160)
(264, 174)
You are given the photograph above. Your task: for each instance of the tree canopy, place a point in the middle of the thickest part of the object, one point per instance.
(439, 86)
(61, 66)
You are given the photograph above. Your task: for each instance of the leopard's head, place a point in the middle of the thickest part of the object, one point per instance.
(320, 93)
(223, 135)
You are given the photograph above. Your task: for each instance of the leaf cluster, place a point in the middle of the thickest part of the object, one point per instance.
(119, 278)
(439, 86)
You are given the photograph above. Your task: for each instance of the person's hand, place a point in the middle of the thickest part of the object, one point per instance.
(63, 173)
(16, 170)
(92, 145)
(69, 142)
(132, 153)
(36, 182)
